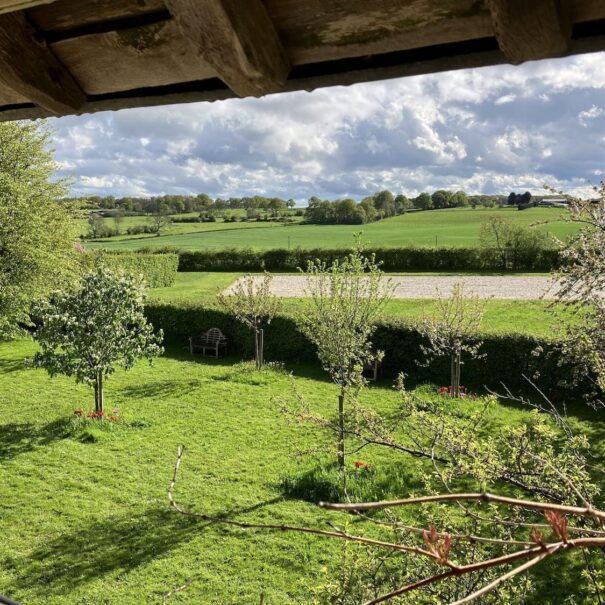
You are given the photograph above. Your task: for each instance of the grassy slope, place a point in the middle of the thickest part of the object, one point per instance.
(531, 317)
(455, 227)
(88, 522)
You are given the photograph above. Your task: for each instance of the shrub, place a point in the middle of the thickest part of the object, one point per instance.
(391, 259)
(158, 270)
(507, 356)
(138, 229)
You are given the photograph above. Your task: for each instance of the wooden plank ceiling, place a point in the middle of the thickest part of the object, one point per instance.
(60, 57)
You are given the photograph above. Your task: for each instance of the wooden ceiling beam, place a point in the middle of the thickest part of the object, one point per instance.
(8, 6)
(29, 67)
(238, 40)
(529, 30)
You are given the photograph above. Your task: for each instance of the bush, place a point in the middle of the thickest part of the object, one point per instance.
(138, 229)
(508, 356)
(159, 270)
(392, 259)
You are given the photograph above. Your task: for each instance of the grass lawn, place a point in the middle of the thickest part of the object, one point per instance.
(530, 317)
(451, 227)
(84, 516)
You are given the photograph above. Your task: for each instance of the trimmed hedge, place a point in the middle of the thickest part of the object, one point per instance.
(158, 270)
(392, 259)
(507, 356)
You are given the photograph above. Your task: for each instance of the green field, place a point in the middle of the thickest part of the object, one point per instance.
(529, 317)
(83, 511)
(452, 227)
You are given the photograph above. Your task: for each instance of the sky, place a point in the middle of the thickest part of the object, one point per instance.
(486, 131)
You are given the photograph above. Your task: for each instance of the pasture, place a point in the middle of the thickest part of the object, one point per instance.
(451, 227)
(84, 516)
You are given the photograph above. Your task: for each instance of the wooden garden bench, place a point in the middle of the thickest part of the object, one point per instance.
(213, 340)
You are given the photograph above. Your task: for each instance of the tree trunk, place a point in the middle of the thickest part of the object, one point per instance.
(455, 374)
(341, 430)
(99, 392)
(261, 348)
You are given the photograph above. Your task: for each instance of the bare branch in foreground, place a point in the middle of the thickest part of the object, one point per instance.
(439, 544)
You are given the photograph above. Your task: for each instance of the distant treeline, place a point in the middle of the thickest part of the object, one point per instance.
(182, 204)
(344, 211)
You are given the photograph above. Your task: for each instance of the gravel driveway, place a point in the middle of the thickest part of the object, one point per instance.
(491, 286)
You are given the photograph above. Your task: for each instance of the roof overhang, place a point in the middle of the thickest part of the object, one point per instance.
(61, 57)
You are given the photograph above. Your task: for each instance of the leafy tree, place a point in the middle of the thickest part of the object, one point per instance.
(385, 202)
(88, 331)
(459, 200)
(251, 302)
(367, 203)
(581, 285)
(402, 204)
(510, 241)
(423, 201)
(441, 198)
(344, 301)
(36, 230)
(452, 331)
(96, 225)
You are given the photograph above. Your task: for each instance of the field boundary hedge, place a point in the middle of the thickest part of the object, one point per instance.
(408, 259)
(158, 270)
(507, 356)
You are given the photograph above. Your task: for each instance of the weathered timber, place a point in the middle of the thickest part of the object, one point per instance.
(240, 43)
(8, 6)
(30, 69)
(531, 30)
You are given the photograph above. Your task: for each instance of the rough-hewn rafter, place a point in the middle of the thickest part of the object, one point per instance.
(531, 29)
(237, 39)
(28, 67)
(8, 6)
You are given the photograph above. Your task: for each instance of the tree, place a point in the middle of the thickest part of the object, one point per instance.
(453, 330)
(402, 204)
(96, 225)
(459, 200)
(89, 331)
(511, 242)
(160, 219)
(385, 202)
(423, 201)
(344, 301)
(251, 302)
(36, 231)
(118, 219)
(581, 282)
(367, 203)
(441, 198)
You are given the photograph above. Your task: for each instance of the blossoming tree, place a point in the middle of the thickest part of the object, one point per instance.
(89, 331)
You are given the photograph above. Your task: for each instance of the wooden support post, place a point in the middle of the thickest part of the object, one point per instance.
(29, 67)
(528, 30)
(238, 40)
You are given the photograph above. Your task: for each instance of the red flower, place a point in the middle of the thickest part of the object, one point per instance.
(91, 415)
(79, 412)
(359, 464)
(113, 418)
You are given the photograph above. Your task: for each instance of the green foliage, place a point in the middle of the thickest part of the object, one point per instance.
(250, 301)
(452, 331)
(87, 332)
(390, 259)
(157, 270)
(507, 357)
(36, 231)
(512, 244)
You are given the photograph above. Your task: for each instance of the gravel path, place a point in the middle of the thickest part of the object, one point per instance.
(491, 286)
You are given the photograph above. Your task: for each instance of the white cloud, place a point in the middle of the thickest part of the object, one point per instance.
(486, 130)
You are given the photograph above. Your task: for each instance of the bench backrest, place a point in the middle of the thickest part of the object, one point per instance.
(214, 335)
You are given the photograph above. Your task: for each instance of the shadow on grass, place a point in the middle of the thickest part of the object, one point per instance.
(324, 482)
(18, 438)
(161, 388)
(11, 365)
(118, 543)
